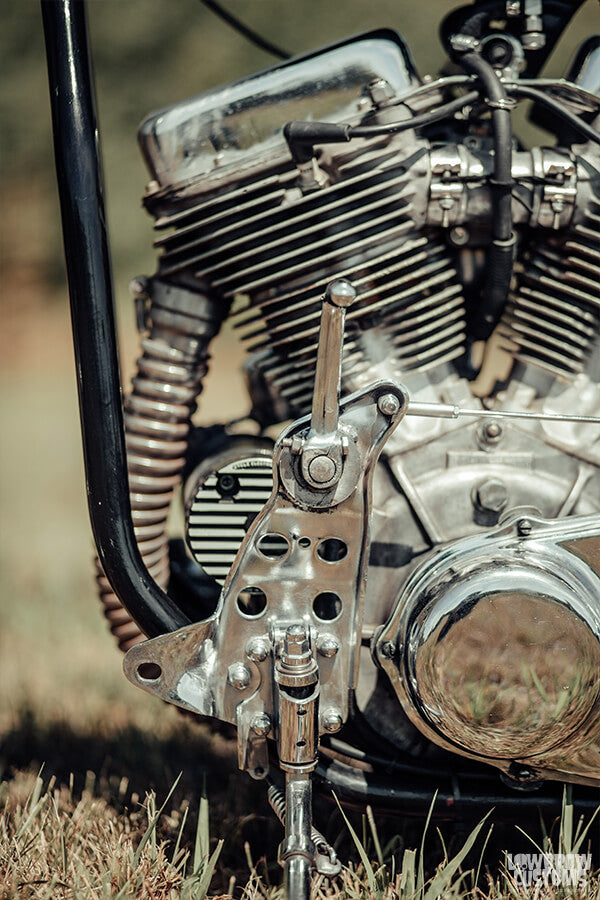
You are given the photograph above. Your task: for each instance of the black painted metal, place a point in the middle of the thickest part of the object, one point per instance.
(92, 316)
(408, 794)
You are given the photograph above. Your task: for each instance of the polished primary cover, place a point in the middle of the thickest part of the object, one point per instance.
(497, 648)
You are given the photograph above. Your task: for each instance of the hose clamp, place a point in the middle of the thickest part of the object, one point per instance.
(502, 103)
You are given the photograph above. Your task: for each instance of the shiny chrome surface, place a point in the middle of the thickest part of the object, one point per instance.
(285, 634)
(314, 579)
(497, 647)
(241, 124)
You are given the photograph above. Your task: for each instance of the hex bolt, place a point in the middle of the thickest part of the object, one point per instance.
(327, 645)
(295, 645)
(491, 496)
(296, 633)
(388, 404)
(261, 724)
(387, 649)
(380, 92)
(238, 676)
(492, 431)
(257, 650)
(331, 720)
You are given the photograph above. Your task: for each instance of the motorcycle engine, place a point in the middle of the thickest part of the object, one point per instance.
(247, 231)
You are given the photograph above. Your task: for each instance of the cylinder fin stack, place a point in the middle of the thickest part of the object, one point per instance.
(275, 250)
(553, 317)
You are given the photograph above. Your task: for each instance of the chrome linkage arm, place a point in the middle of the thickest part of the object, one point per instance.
(451, 411)
(279, 657)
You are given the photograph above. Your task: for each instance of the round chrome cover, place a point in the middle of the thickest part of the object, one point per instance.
(501, 654)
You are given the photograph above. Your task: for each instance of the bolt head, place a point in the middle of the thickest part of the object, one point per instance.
(138, 286)
(493, 430)
(261, 724)
(491, 496)
(331, 720)
(238, 676)
(524, 527)
(459, 236)
(388, 404)
(296, 632)
(340, 293)
(258, 650)
(533, 41)
(296, 641)
(327, 645)
(321, 469)
(380, 91)
(387, 649)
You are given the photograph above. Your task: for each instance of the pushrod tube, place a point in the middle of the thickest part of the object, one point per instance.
(92, 317)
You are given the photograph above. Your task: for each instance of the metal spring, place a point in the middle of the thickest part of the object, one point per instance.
(553, 317)
(277, 803)
(157, 421)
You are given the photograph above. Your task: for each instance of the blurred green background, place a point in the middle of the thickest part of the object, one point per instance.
(55, 655)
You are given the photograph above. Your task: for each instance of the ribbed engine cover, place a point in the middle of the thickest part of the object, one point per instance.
(223, 499)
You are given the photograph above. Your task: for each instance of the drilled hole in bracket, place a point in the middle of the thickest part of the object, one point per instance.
(332, 550)
(251, 601)
(327, 606)
(273, 546)
(149, 671)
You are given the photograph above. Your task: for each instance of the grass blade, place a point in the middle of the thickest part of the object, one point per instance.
(421, 866)
(361, 852)
(151, 829)
(442, 879)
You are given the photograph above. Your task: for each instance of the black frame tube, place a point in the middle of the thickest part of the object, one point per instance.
(92, 317)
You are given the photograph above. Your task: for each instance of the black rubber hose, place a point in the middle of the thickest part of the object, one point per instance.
(501, 251)
(558, 108)
(257, 39)
(354, 786)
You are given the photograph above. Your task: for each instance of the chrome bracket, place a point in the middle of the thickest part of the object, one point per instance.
(279, 657)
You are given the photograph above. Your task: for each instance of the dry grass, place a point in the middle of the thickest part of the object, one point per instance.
(55, 843)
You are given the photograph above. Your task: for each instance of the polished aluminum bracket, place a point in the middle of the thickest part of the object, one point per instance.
(279, 657)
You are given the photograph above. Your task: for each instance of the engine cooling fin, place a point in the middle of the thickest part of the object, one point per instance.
(275, 250)
(553, 317)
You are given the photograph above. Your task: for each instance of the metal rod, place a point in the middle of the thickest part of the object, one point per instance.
(326, 396)
(298, 828)
(92, 316)
(448, 411)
